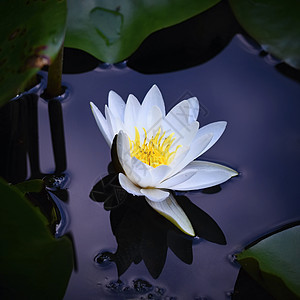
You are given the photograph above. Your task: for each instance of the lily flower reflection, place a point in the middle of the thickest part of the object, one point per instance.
(157, 151)
(143, 235)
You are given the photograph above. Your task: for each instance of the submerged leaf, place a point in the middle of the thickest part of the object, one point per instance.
(275, 263)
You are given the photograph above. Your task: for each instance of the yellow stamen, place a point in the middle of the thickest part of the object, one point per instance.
(156, 151)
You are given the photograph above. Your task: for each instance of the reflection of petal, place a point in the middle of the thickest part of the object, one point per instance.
(153, 246)
(207, 174)
(204, 225)
(127, 185)
(155, 195)
(116, 105)
(102, 124)
(127, 228)
(181, 246)
(170, 209)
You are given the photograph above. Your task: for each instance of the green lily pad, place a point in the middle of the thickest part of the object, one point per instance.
(275, 263)
(34, 265)
(112, 30)
(274, 24)
(31, 34)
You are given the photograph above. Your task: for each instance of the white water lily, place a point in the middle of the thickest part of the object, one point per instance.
(157, 151)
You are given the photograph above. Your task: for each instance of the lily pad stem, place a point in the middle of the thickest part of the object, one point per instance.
(54, 87)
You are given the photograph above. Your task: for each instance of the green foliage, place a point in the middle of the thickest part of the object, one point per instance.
(30, 186)
(275, 263)
(31, 34)
(112, 30)
(34, 265)
(274, 24)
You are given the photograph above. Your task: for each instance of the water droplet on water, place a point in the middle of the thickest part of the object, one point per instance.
(104, 258)
(159, 291)
(232, 258)
(115, 286)
(271, 60)
(54, 182)
(121, 65)
(249, 45)
(108, 23)
(104, 66)
(229, 294)
(142, 286)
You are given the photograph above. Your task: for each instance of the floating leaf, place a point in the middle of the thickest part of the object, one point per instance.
(187, 44)
(31, 34)
(275, 263)
(112, 30)
(248, 288)
(34, 265)
(274, 24)
(30, 186)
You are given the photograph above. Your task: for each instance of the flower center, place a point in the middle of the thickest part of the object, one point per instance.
(156, 152)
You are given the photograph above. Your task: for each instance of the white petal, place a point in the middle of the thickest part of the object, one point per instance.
(102, 124)
(131, 115)
(207, 174)
(155, 195)
(184, 134)
(170, 209)
(177, 179)
(137, 171)
(116, 105)
(154, 120)
(216, 129)
(154, 97)
(194, 109)
(178, 116)
(196, 148)
(141, 173)
(127, 185)
(114, 121)
(123, 151)
(159, 173)
(179, 157)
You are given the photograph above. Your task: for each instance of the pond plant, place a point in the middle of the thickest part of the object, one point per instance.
(154, 155)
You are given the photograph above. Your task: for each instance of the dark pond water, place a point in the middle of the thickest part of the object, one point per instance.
(262, 142)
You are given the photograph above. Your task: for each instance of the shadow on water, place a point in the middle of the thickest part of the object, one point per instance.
(144, 235)
(20, 157)
(20, 138)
